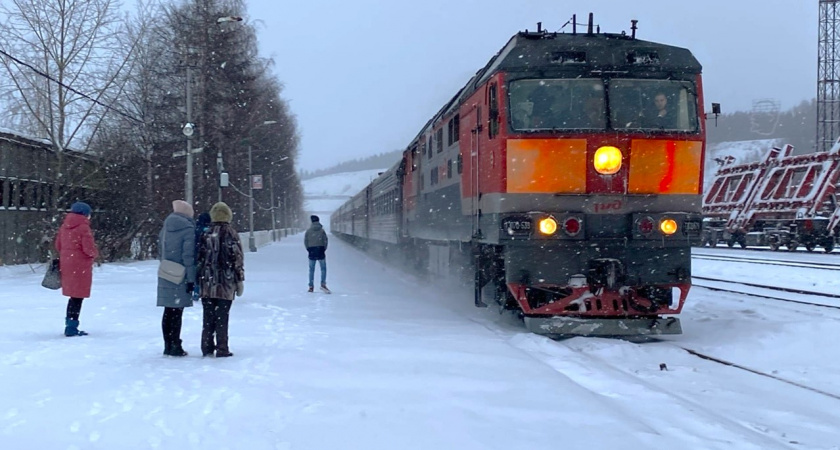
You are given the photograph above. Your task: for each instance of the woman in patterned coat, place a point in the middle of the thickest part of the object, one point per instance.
(221, 277)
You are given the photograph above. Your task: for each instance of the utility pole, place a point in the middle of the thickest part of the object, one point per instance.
(188, 196)
(252, 245)
(273, 217)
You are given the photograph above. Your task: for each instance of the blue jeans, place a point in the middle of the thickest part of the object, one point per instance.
(323, 263)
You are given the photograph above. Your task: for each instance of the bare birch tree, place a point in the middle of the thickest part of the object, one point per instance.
(61, 57)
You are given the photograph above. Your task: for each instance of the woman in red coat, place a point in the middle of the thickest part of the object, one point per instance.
(76, 252)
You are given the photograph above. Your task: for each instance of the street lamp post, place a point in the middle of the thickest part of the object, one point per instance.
(188, 132)
(252, 244)
(189, 128)
(273, 217)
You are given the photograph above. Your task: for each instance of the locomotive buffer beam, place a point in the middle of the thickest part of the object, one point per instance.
(605, 327)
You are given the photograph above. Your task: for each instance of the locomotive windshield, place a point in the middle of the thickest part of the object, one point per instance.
(581, 104)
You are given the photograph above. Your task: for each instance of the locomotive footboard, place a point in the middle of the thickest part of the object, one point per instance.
(578, 326)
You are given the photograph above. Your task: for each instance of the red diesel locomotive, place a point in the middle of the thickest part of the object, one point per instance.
(566, 176)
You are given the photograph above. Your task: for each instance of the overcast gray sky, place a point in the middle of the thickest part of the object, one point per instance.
(363, 76)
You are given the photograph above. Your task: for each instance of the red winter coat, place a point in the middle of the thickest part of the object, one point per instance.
(76, 251)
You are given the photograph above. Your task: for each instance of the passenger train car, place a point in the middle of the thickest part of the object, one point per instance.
(557, 180)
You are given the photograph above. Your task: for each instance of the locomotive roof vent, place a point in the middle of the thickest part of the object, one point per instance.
(643, 57)
(568, 57)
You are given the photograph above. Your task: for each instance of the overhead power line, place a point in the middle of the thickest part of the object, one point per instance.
(34, 69)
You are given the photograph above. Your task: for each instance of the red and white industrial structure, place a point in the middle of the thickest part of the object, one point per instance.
(787, 200)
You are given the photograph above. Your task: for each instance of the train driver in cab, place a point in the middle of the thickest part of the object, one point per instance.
(663, 116)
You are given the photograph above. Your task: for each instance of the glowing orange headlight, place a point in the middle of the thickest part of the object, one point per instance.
(548, 226)
(607, 160)
(668, 226)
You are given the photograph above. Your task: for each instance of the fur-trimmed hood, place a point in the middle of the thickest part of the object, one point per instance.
(220, 212)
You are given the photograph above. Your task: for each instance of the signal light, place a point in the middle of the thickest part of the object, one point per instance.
(668, 226)
(607, 160)
(548, 226)
(646, 225)
(572, 226)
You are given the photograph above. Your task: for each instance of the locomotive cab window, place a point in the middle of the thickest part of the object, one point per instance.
(580, 104)
(557, 104)
(653, 105)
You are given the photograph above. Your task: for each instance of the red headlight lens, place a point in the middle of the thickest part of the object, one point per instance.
(572, 226)
(646, 225)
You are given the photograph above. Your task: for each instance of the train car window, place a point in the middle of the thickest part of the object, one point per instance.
(653, 105)
(493, 125)
(557, 104)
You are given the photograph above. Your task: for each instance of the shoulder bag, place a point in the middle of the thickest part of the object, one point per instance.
(170, 270)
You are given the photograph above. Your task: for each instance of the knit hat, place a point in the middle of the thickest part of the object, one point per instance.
(220, 212)
(80, 208)
(203, 220)
(180, 206)
(315, 218)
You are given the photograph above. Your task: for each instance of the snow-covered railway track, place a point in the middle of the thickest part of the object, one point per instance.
(759, 372)
(701, 402)
(744, 259)
(792, 295)
(691, 398)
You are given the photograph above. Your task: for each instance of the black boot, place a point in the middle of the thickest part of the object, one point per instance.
(71, 328)
(221, 319)
(175, 349)
(208, 344)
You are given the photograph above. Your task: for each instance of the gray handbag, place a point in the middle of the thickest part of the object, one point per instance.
(170, 270)
(52, 279)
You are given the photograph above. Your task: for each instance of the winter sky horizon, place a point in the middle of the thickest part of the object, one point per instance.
(363, 76)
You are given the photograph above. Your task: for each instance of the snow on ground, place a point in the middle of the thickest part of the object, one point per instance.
(390, 360)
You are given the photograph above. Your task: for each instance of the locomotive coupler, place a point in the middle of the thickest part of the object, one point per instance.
(604, 273)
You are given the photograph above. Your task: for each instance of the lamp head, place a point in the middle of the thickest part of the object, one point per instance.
(188, 129)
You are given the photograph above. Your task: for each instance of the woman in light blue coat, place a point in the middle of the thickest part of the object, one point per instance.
(177, 244)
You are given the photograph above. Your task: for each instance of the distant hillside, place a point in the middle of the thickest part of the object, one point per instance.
(370, 163)
(796, 126)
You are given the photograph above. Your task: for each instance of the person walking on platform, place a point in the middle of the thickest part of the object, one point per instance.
(221, 276)
(76, 253)
(316, 241)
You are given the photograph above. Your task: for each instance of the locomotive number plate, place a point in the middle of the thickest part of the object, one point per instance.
(691, 227)
(515, 226)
